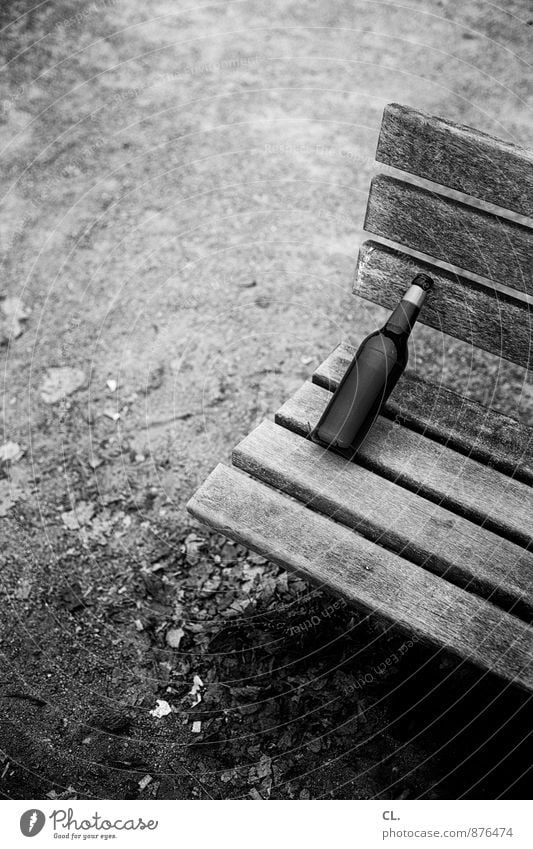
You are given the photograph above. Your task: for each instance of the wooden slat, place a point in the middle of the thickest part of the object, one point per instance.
(289, 534)
(465, 425)
(390, 515)
(458, 157)
(493, 321)
(436, 472)
(445, 229)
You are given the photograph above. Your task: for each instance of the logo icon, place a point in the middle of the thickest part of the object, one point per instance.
(31, 822)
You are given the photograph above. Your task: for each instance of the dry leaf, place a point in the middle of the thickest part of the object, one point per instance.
(254, 794)
(60, 382)
(14, 312)
(161, 709)
(8, 497)
(264, 766)
(174, 637)
(79, 516)
(197, 686)
(10, 452)
(23, 589)
(144, 782)
(193, 546)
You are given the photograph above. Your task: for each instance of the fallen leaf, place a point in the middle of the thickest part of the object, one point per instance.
(10, 452)
(71, 597)
(60, 382)
(23, 589)
(102, 526)
(264, 766)
(161, 709)
(144, 782)
(111, 385)
(117, 721)
(254, 794)
(197, 686)
(174, 637)
(193, 547)
(155, 379)
(79, 516)
(14, 312)
(8, 498)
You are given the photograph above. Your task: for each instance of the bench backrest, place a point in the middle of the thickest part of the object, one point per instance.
(492, 309)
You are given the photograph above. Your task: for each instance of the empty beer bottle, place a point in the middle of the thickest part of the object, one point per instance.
(371, 376)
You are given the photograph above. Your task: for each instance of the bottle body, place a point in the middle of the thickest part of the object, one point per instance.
(370, 377)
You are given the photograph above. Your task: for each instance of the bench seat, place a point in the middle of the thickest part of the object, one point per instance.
(401, 532)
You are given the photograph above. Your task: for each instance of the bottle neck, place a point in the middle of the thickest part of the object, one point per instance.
(402, 320)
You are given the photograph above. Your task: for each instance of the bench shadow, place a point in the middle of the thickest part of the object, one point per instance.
(477, 726)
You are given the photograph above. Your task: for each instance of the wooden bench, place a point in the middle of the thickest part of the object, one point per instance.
(432, 527)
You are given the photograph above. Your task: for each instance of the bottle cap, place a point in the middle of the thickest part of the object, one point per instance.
(424, 281)
(417, 291)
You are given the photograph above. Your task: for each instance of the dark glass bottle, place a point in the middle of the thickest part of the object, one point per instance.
(371, 376)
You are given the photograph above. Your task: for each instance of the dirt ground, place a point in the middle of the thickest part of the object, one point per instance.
(182, 196)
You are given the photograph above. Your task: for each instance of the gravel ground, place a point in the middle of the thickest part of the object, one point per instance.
(183, 189)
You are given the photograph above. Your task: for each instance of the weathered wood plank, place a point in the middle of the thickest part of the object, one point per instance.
(372, 578)
(477, 241)
(493, 321)
(462, 424)
(434, 471)
(458, 157)
(390, 515)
